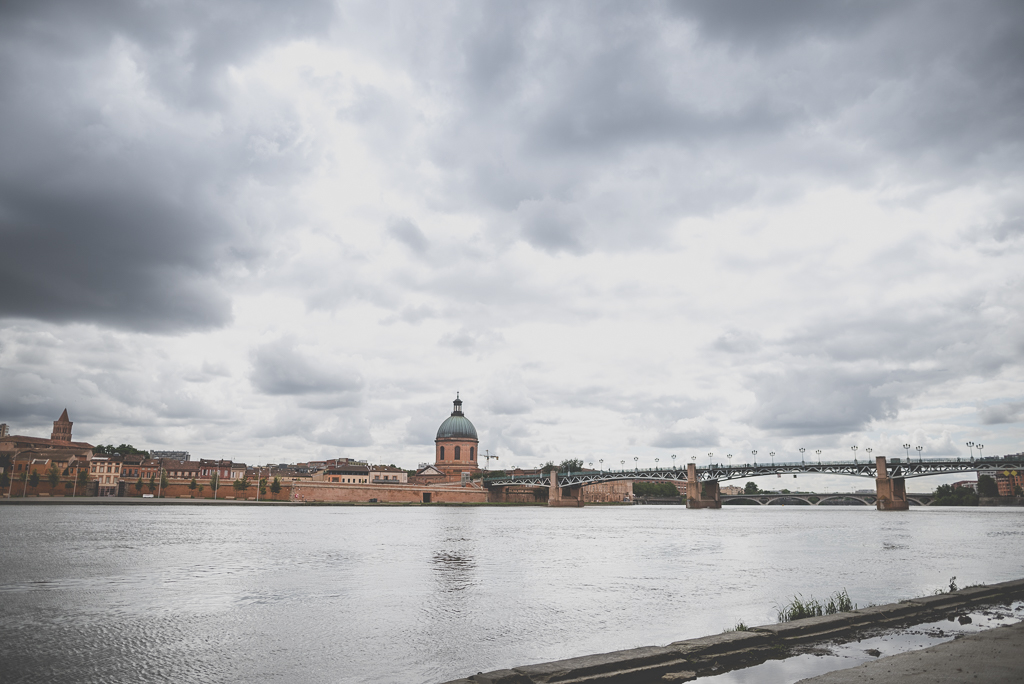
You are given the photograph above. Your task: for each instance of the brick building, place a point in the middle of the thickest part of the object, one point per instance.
(456, 446)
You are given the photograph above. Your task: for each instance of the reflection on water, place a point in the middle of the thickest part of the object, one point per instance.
(111, 594)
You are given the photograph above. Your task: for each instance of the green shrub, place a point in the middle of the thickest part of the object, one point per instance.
(655, 489)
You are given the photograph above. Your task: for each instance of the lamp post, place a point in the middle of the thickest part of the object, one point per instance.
(673, 461)
(591, 465)
(919, 449)
(772, 454)
(907, 447)
(258, 472)
(729, 456)
(970, 445)
(601, 461)
(854, 453)
(980, 447)
(656, 460)
(802, 450)
(623, 463)
(636, 464)
(818, 451)
(754, 452)
(869, 450)
(711, 455)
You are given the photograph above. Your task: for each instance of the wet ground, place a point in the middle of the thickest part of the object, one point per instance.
(820, 658)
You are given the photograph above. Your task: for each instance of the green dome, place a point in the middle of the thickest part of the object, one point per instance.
(457, 426)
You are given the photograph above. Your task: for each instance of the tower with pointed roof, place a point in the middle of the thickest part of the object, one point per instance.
(62, 428)
(455, 448)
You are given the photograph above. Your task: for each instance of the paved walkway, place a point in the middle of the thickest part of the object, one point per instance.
(992, 657)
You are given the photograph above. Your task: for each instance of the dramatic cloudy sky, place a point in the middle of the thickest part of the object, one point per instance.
(283, 231)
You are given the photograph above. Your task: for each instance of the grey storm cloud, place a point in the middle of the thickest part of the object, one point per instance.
(1002, 413)
(280, 369)
(407, 232)
(820, 401)
(111, 211)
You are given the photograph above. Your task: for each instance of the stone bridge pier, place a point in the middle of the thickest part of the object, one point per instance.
(701, 494)
(565, 497)
(891, 491)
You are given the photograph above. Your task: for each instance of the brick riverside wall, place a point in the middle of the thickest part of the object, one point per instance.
(179, 488)
(44, 488)
(397, 493)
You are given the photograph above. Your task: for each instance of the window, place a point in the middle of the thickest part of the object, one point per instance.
(442, 453)
(472, 453)
(458, 455)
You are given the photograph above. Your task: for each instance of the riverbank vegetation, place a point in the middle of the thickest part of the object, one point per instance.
(799, 608)
(664, 489)
(948, 495)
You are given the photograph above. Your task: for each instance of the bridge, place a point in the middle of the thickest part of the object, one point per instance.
(702, 484)
(798, 498)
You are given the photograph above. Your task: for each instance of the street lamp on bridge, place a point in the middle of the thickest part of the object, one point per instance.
(729, 456)
(711, 455)
(919, 448)
(772, 454)
(970, 445)
(656, 463)
(854, 453)
(802, 450)
(602, 464)
(980, 447)
(869, 450)
(755, 456)
(636, 464)
(623, 463)
(818, 451)
(907, 447)
(673, 461)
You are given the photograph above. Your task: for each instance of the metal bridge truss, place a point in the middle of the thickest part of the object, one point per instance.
(719, 472)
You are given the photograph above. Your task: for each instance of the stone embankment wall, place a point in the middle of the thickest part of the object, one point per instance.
(685, 660)
(397, 493)
(178, 489)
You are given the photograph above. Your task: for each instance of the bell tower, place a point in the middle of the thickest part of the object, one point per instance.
(62, 428)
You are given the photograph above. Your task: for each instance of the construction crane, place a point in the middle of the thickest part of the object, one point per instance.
(487, 459)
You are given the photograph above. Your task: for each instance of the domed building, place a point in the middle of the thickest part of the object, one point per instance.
(455, 447)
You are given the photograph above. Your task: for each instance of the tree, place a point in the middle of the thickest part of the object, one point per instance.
(987, 486)
(192, 486)
(53, 476)
(275, 486)
(241, 485)
(948, 495)
(571, 465)
(664, 489)
(33, 480)
(23, 477)
(201, 488)
(215, 483)
(5, 479)
(138, 484)
(83, 478)
(751, 488)
(263, 487)
(152, 484)
(163, 481)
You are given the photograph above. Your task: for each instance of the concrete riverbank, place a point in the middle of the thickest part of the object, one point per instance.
(689, 659)
(992, 657)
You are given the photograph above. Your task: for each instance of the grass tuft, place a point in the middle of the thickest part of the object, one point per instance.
(800, 608)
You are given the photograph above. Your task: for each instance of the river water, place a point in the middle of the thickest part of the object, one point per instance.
(427, 594)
